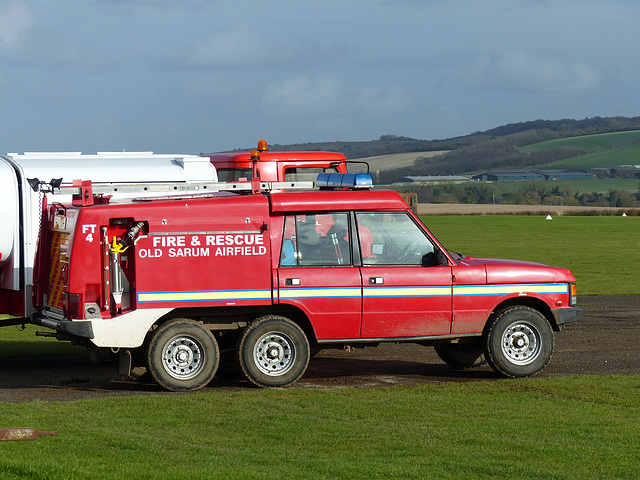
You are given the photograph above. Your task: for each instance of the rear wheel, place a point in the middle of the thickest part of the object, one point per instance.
(182, 355)
(519, 342)
(273, 351)
(461, 355)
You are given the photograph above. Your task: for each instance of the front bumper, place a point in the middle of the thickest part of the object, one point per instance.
(568, 315)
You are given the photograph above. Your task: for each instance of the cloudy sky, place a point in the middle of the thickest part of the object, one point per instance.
(191, 76)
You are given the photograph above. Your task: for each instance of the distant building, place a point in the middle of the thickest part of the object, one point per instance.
(563, 175)
(509, 176)
(537, 175)
(435, 179)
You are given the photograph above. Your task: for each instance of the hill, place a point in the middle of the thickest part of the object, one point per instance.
(525, 145)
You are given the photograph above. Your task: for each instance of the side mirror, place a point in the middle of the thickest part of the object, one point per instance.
(377, 248)
(434, 259)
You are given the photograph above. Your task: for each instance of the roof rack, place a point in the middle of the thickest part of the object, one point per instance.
(85, 192)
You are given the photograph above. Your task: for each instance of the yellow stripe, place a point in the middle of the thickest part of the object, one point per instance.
(289, 293)
(506, 289)
(205, 296)
(407, 291)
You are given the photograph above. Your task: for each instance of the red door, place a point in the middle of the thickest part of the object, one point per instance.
(405, 292)
(317, 275)
(406, 301)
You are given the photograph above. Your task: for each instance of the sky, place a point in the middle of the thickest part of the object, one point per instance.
(198, 76)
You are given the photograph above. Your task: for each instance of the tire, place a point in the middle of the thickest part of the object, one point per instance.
(519, 342)
(461, 355)
(273, 351)
(182, 355)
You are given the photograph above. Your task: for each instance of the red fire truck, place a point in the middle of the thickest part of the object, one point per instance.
(278, 166)
(271, 274)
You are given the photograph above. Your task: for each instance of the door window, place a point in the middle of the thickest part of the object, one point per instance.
(393, 238)
(316, 240)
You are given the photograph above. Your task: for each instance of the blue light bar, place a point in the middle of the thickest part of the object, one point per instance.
(344, 180)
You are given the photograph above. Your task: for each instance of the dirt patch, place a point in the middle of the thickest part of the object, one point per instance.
(553, 210)
(604, 342)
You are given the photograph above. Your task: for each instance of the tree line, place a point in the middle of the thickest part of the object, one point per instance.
(531, 193)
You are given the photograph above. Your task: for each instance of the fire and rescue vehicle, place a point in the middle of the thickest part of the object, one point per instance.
(271, 273)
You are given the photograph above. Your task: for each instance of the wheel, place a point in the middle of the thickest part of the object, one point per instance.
(519, 342)
(273, 352)
(182, 355)
(461, 355)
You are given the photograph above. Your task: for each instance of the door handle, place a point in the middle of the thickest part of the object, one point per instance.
(290, 282)
(376, 280)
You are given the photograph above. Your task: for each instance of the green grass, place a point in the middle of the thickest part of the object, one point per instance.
(17, 342)
(601, 252)
(616, 157)
(588, 143)
(560, 428)
(603, 150)
(597, 185)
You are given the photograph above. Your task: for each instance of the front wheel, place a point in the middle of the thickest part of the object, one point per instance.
(182, 356)
(273, 351)
(519, 342)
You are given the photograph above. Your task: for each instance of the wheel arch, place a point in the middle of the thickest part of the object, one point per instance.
(228, 315)
(526, 301)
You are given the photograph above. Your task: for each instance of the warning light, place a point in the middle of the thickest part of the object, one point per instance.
(262, 146)
(344, 180)
(255, 154)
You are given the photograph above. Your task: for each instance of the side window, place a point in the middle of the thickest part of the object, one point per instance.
(316, 240)
(234, 174)
(306, 174)
(393, 238)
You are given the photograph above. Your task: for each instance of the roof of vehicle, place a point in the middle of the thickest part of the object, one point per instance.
(286, 201)
(277, 156)
(336, 200)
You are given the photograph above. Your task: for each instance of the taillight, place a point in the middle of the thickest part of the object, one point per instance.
(74, 306)
(574, 294)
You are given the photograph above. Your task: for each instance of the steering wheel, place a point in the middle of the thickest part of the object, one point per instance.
(410, 253)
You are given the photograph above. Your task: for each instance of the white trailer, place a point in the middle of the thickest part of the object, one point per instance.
(21, 219)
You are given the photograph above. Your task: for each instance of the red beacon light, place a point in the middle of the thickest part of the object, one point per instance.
(262, 146)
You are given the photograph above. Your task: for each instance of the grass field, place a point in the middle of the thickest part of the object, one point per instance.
(603, 150)
(589, 143)
(597, 185)
(602, 252)
(397, 160)
(628, 155)
(555, 428)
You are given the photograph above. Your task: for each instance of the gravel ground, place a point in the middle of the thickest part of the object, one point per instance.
(604, 342)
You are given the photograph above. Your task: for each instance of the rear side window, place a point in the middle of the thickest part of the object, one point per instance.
(316, 240)
(306, 174)
(234, 174)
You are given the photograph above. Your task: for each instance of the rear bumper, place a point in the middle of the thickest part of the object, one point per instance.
(568, 315)
(77, 328)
